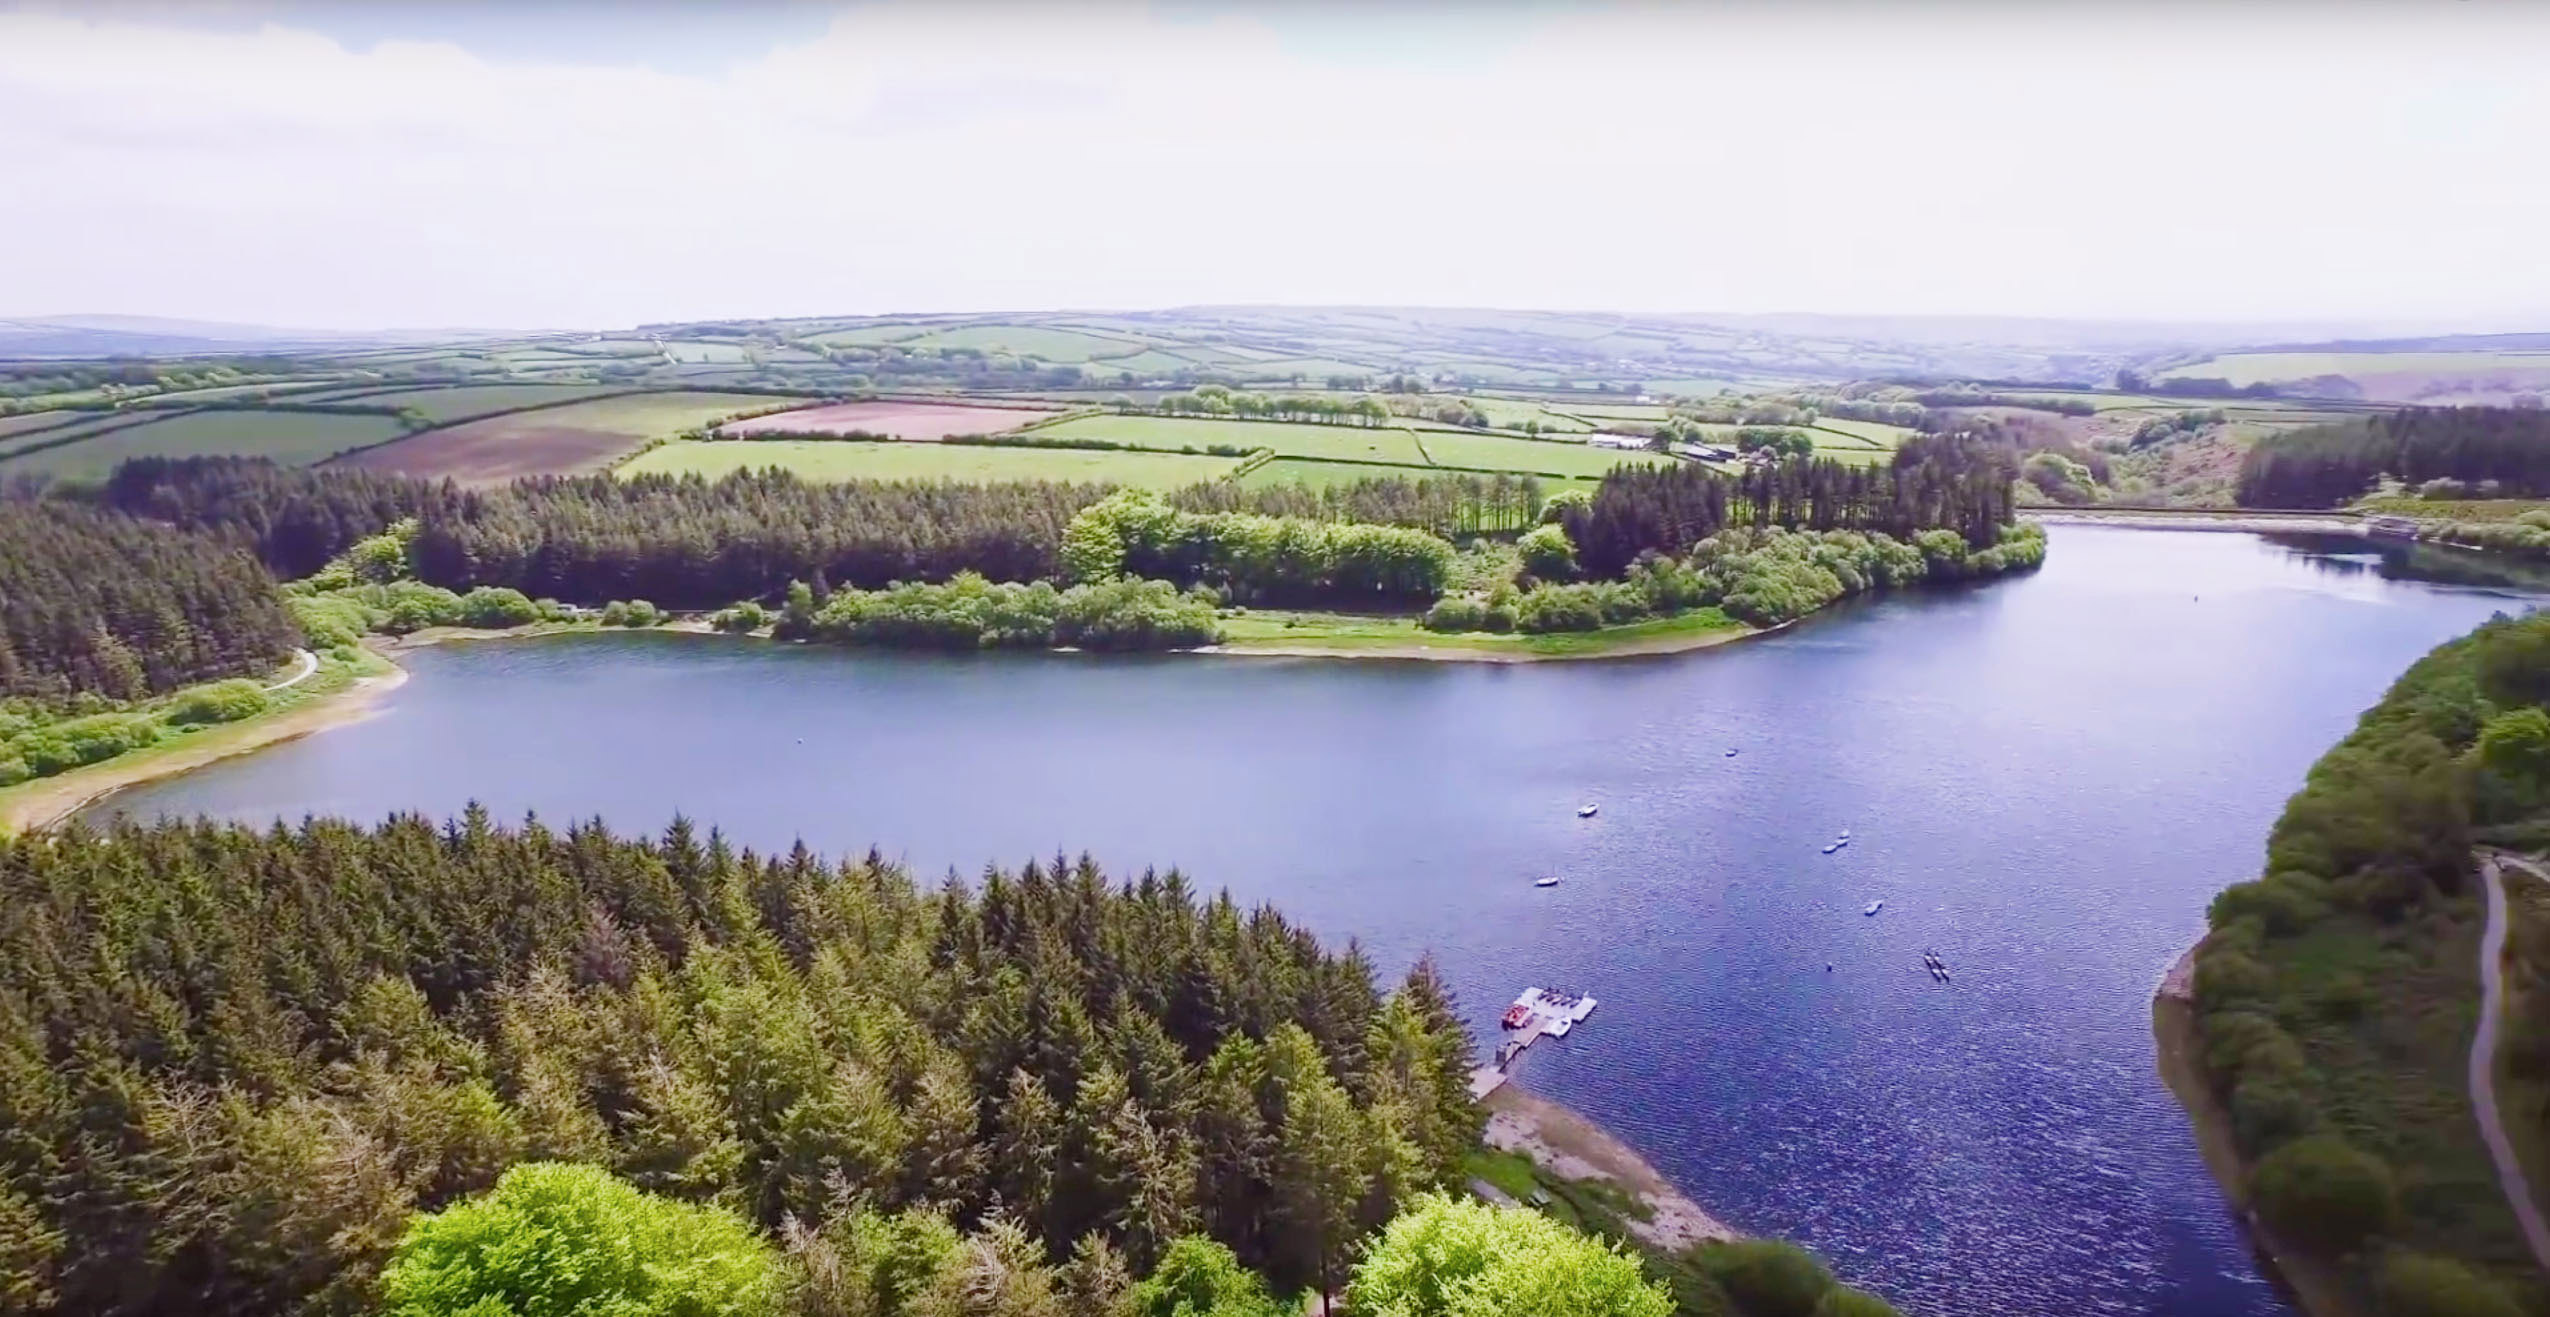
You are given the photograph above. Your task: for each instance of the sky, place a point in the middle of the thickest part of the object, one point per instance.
(544, 165)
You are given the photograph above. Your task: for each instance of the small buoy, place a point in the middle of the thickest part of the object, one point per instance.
(1828, 967)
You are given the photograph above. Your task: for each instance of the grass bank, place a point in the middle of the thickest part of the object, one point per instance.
(341, 690)
(1358, 635)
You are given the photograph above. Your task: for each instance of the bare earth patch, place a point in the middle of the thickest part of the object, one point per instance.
(1573, 1148)
(495, 454)
(903, 420)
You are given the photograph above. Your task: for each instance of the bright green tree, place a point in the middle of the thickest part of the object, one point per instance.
(560, 1240)
(1449, 1257)
(1198, 1277)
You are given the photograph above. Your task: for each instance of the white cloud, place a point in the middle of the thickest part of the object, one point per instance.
(2169, 163)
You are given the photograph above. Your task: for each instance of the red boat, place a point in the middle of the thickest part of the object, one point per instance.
(1517, 1015)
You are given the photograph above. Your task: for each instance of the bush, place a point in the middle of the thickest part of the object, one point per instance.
(1766, 1277)
(68, 745)
(14, 770)
(744, 617)
(559, 1240)
(2267, 1111)
(328, 621)
(497, 607)
(2418, 1285)
(2323, 1192)
(1134, 615)
(1457, 613)
(1547, 552)
(1843, 1301)
(220, 702)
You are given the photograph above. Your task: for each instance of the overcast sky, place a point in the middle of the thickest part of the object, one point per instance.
(364, 166)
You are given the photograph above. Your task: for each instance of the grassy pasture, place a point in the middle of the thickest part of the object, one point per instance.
(1344, 443)
(720, 354)
(837, 460)
(290, 438)
(442, 406)
(2245, 368)
(1875, 432)
(1489, 452)
(1144, 364)
(25, 421)
(580, 436)
(1061, 346)
(1509, 413)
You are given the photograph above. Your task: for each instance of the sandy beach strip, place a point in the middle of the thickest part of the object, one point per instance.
(49, 800)
(1571, 1147)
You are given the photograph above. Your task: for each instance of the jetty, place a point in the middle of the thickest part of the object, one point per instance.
(1539, 1013)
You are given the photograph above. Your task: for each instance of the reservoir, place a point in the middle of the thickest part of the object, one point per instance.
(2045, 780)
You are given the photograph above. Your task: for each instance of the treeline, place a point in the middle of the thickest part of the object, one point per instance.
(1934, 482)
(94, 602)
(2323, 466)
(234, 1061)
(683, 542)
(2320, 991)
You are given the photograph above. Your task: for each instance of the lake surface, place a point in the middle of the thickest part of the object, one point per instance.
(2046, 779)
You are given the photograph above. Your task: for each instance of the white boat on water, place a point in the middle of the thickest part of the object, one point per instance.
(1551, 881)
(1830, 847)
(1730, 752)
(1875, 906)
(1586, 811)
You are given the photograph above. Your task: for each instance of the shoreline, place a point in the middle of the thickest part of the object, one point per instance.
(2244, 521)
(1566, 1144)
(1626, 647)
(2312, 1285)
(46, 801)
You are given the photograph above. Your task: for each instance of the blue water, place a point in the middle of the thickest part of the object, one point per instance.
(2045, 778)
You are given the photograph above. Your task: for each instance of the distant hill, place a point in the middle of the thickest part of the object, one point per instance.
(91, 336)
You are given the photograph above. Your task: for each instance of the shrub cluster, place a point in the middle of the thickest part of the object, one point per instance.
(1254, 558)
(970, 612)
(1761, 577)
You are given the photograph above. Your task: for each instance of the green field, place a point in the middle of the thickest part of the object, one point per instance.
(1875, 432)
(25, 421)
(290, 438)
(443, 406)
(1343, 443)
(1063, 346)
(1490, 452)
(2246, 368)
(1510, 413)
(1145, 364)
(825, 459)
(707, 354)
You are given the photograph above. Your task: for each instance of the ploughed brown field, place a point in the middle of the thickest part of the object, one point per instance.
(548, 441)
(903, 420)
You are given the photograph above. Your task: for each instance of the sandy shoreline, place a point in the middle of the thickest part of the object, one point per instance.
(1644, 646)
(2246, 523)
(1571, 1147)
(49, 800)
